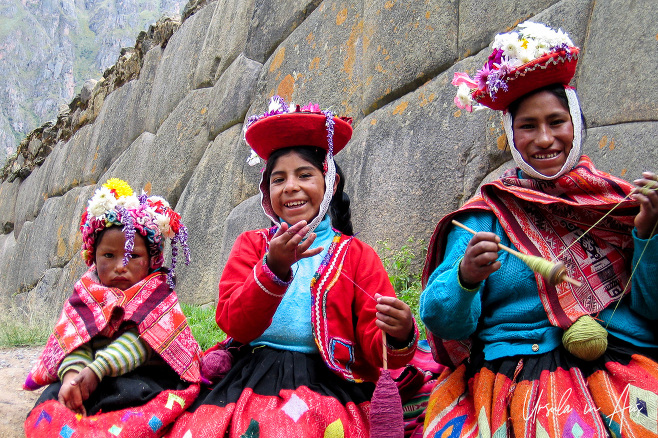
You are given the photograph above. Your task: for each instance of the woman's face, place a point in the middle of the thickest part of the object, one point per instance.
(109, 260)
(296, 188)
(543, 132)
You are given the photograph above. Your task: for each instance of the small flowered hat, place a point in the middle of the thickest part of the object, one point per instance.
(114, 204)
(522, 61)
(283, 126)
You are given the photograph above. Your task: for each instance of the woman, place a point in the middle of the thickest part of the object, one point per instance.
(309, 302)
(508, 332)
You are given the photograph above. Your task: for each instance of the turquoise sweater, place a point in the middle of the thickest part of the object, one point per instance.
(507, 305)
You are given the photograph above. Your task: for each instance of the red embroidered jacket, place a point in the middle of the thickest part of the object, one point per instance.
(343, 315)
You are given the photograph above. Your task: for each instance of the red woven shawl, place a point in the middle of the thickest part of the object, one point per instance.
(95, 309)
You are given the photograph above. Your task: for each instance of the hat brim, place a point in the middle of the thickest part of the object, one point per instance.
(296, 129)
(552, 68)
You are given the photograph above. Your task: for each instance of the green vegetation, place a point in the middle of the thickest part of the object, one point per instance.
(18, 329)
(404, 272)
(203, 325)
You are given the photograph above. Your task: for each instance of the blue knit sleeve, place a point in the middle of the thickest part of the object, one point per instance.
(447, 309)
(644, 291)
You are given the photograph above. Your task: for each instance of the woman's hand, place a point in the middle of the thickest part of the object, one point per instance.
(286, 247)
(394, 317)
(647, 218)
(480, 259)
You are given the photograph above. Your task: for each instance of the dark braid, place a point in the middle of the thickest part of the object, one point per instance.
(339, 208)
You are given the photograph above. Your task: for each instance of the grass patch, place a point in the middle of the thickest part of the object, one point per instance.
(203, 325)
(404, 277)
(18, 329)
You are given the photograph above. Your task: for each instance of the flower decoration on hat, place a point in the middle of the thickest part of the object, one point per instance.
(114, 204)
(520, 62)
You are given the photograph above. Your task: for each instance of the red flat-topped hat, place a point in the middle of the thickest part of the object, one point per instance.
(556, 67)
(302, 127)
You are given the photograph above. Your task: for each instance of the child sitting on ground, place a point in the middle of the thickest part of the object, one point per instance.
(122, 338)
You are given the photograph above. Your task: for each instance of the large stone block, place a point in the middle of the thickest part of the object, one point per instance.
(32, 193)
(224, 40)
(232, 95)
(481, 20)
(174, 77)
(404, 45)
(246, 216)
(50, 241)
(321, 61)
(418, 158)
(221, 181)
(8, 195)
(163, 164)
(619, 56)
(68, 172)
(621, 149)
(7, 250)
(272, 21)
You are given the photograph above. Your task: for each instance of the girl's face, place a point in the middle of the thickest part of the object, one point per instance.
(296, 188)
(109, 259)
(543, 132)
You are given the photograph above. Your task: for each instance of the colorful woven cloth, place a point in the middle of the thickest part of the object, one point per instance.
(551, 395)
(94, 309)
(544, 218)
(150, 420)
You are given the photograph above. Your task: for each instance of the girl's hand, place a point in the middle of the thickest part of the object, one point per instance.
(480, 259)
(647, 218)
(394, 317)
(286, 247)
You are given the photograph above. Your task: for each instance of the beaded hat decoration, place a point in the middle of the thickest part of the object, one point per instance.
(114, 204)
(284, 125)
(523, 61)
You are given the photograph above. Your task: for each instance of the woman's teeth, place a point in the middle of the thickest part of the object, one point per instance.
(546, 156)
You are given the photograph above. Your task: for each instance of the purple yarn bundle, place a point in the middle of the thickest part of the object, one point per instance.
(386, 420)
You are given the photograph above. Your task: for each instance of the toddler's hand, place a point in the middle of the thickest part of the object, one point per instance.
(394, 317)
(76, 388)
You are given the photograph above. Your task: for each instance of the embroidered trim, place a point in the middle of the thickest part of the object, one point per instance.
(272, 276)
(404, 350)
(264, 288)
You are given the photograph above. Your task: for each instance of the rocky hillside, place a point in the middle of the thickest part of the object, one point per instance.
(169, 117)
(49, 48)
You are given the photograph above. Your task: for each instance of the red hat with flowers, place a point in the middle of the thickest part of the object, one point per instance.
(521, 61)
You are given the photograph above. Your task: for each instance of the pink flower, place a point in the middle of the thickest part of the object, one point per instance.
(311, 108)
(463, 78)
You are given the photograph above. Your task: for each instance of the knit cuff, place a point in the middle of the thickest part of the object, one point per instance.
(272, 276)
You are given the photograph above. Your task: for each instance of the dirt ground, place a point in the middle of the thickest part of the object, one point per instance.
(15, 403)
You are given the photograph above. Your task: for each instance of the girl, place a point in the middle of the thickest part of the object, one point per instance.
(122, 349)
(525, 375)
(308, 300)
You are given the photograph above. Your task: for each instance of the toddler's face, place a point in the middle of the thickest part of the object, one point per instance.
(109, 259)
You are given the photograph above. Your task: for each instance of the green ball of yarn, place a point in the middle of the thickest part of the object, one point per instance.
(586, 339)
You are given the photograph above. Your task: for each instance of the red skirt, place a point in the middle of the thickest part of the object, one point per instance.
(279, 394)
(549, 395)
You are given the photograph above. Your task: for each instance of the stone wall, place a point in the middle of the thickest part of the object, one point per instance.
(176, 127)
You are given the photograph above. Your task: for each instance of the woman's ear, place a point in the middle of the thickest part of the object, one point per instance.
(336, 181)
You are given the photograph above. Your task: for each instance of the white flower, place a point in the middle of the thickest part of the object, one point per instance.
(102, 201)
(130, 202)
(503, 40)
(162, 222)
(275, 105)
(253, 158)
(464, 96)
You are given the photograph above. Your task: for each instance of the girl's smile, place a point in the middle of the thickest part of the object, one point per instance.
(296, 188)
